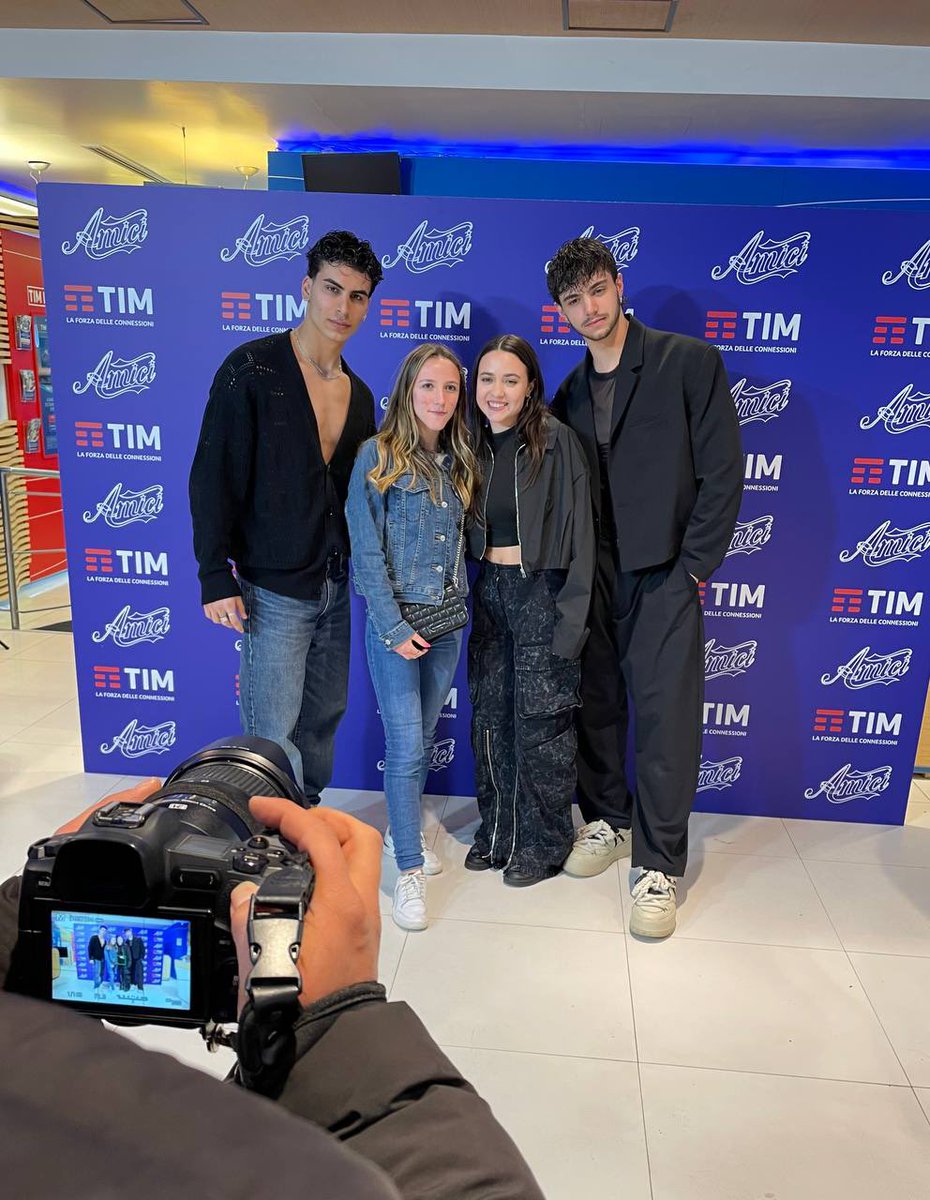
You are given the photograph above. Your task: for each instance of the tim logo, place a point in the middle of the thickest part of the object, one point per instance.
(113, 377)
(85, 299)
(124, 507)
(439, 315)
(103, 236)
(764, 258)
(866, 669)
(860, 724)
(893, 331)
(137, 740)
(552, 322)
(732, 599)
(847, 784)
(119, 436)
(910, 409)
(885, 545)
(35, 296)
(725, 716)
(715, 776)
(882, 603)
(131, 628)
(266, 242)
(137, 564)
(759, 467)
(760, 403)
(270, 308)
(725, 325)
(728, 660)
(904, 472)
(750, 536)
(135, 682)
(426, 248)
(916, 270)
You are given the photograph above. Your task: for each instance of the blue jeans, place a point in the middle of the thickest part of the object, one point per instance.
(294, 675)
(411, 693)
(97, 968)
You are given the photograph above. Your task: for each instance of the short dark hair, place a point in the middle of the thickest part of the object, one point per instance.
(575, 263)
(344, 249)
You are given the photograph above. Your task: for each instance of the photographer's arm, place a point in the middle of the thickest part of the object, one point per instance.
(366, 1070)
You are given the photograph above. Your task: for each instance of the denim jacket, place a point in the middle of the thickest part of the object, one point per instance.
(404, 547)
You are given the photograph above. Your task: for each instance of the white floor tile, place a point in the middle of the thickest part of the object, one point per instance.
(19, 640)
(756, 1008)
(899, 988)
(20, 677)
(393, 940)
(743, 898)
(506, 987)
(53, 647)
(21, 758)
(723, 833)
(19, 712)
(832, 841)
(922, 783)
(61, 727)
(562, 902)
(578, 1122)
(719, 1135)
(876, 910)
(923, 1095)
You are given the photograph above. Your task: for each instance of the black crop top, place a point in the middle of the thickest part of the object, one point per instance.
(501, 503)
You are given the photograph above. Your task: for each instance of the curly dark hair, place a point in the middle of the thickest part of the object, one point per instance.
(534, 415)
(575, 263)
(344, 249)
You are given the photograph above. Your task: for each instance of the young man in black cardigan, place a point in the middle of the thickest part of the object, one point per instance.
(654, 413)
(268, 486)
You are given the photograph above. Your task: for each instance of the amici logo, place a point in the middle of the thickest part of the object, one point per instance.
(908, 410)
(760, 403)
(131, 628)
(103, 236)
(916, 270)
(442, 756)
(113, 377)
(865, 669)
(427, 248)
(846, 784)
(265, 243)
(119, 507)
(715, 776)
(885, 545)
(136, 740)
(765, 258)
(728, 660)
(750, 536)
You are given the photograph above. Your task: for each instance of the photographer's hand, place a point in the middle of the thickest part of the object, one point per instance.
(342, 928)
(138, 793)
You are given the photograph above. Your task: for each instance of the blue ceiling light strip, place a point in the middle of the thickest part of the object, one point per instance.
(905, 158)
(15, 192)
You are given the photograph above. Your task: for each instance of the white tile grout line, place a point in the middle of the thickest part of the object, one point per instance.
(865, 993)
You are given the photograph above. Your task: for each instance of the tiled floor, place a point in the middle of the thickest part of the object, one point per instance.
(777, 1048)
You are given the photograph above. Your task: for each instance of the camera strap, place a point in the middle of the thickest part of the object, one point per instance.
(265, 1042)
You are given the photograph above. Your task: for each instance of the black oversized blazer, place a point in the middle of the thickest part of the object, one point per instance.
(675, 463)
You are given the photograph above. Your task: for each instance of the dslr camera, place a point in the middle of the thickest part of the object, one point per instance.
(128, 917)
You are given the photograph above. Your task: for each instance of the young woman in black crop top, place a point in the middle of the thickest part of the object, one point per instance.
(534, 537)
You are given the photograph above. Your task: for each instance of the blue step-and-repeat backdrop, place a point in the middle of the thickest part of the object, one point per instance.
(817, 652)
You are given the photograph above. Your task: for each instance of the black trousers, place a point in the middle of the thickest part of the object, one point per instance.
(646, 646)
(523, 735)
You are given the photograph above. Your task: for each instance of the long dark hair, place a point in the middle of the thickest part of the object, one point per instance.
(531, 423)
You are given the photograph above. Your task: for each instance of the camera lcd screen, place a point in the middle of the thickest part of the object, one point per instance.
(137, 962)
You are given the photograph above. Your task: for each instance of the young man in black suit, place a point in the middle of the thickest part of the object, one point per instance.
(654, 413)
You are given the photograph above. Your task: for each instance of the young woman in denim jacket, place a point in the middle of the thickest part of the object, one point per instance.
(534, 536)
(411, 488)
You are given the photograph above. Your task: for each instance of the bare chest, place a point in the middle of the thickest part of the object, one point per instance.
(329, 400)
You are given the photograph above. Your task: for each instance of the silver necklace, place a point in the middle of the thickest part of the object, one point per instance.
(329, 376)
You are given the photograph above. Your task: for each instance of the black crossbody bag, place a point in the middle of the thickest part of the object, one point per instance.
(431, 621)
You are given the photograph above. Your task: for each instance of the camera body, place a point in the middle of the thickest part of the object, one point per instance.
(128, 917)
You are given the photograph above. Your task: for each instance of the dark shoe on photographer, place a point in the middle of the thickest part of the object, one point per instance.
(514, 877)
(475, 860)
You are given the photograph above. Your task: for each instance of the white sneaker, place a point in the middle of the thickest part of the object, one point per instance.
(596, 846)
(409, 911)
(431, 862)
(654, 905)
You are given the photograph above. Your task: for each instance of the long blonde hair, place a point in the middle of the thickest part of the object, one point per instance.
(400, 450)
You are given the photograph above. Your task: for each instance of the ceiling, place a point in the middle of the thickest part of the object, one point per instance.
(67, 80)
(889, 22)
